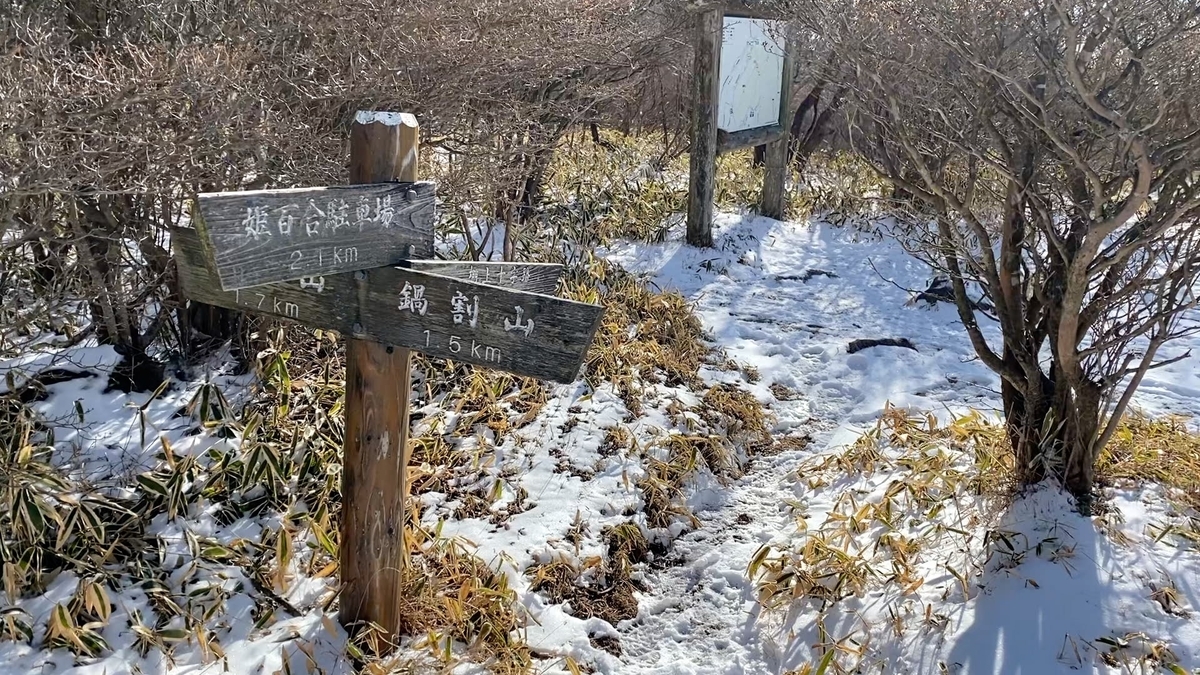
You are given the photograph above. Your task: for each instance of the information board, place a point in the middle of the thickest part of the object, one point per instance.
(751, 74)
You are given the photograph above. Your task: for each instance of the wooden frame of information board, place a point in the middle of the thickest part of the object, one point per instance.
(707, 141)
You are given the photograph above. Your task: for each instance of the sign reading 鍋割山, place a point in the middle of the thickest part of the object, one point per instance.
(267, 236)
(517, 331)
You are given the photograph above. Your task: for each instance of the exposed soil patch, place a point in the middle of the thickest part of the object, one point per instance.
(609, 597)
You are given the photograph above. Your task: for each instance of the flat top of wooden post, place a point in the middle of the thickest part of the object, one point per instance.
(391, 119)
(746, 9)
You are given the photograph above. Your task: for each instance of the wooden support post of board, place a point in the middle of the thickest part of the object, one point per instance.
(383, 147)
(774, 192)
(705, 90)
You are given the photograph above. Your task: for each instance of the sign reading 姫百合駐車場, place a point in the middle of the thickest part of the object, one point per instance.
(265, 236)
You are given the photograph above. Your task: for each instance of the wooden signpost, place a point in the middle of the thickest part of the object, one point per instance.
(389, 299)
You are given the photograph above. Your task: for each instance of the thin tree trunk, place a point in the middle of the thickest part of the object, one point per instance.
(1025, 415)
(1082, 431)
(517, 206)
(101, 303)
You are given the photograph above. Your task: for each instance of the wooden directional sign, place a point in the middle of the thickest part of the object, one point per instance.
(267, 236)
(525, 333)
(330, 258)
(531, 277)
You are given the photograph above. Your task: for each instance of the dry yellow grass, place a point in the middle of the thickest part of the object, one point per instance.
(937, 470)
(1161, 450)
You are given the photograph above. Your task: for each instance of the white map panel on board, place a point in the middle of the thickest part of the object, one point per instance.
(751, 74)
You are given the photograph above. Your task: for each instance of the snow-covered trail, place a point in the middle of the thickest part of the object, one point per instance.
(701, 615)
(787, 299)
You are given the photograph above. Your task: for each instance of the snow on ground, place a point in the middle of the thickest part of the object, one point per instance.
(105, 435)
(1054, 595)
(788, 298)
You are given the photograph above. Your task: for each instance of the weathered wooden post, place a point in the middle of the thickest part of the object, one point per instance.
(773, 203)
(383, 148)
(703, 158)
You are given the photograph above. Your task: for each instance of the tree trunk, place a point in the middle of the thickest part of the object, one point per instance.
(809, 129)
(1053, 433)
(1081, 430)
(597, 139)
(103, 305)
(515, 206)
(1025, 412)
(48, 257)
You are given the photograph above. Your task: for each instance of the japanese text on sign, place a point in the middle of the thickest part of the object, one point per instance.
(463, 309)
(313, 221)
(487, 276)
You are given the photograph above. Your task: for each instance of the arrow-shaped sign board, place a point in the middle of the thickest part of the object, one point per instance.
(532, 277)
(524, 333)
(265, 236)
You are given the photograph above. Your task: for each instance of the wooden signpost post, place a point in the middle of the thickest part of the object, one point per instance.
(355, 260)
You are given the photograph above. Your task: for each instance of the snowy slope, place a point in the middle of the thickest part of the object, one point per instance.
(788, 298)
(785, 299)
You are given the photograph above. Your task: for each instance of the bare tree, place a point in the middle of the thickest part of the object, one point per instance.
(116, 112)
(1053, 149)
(816, 119)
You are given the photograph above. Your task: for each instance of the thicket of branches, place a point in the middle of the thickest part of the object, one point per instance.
(1052, 153)
(115, 112)
(1048, 152)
